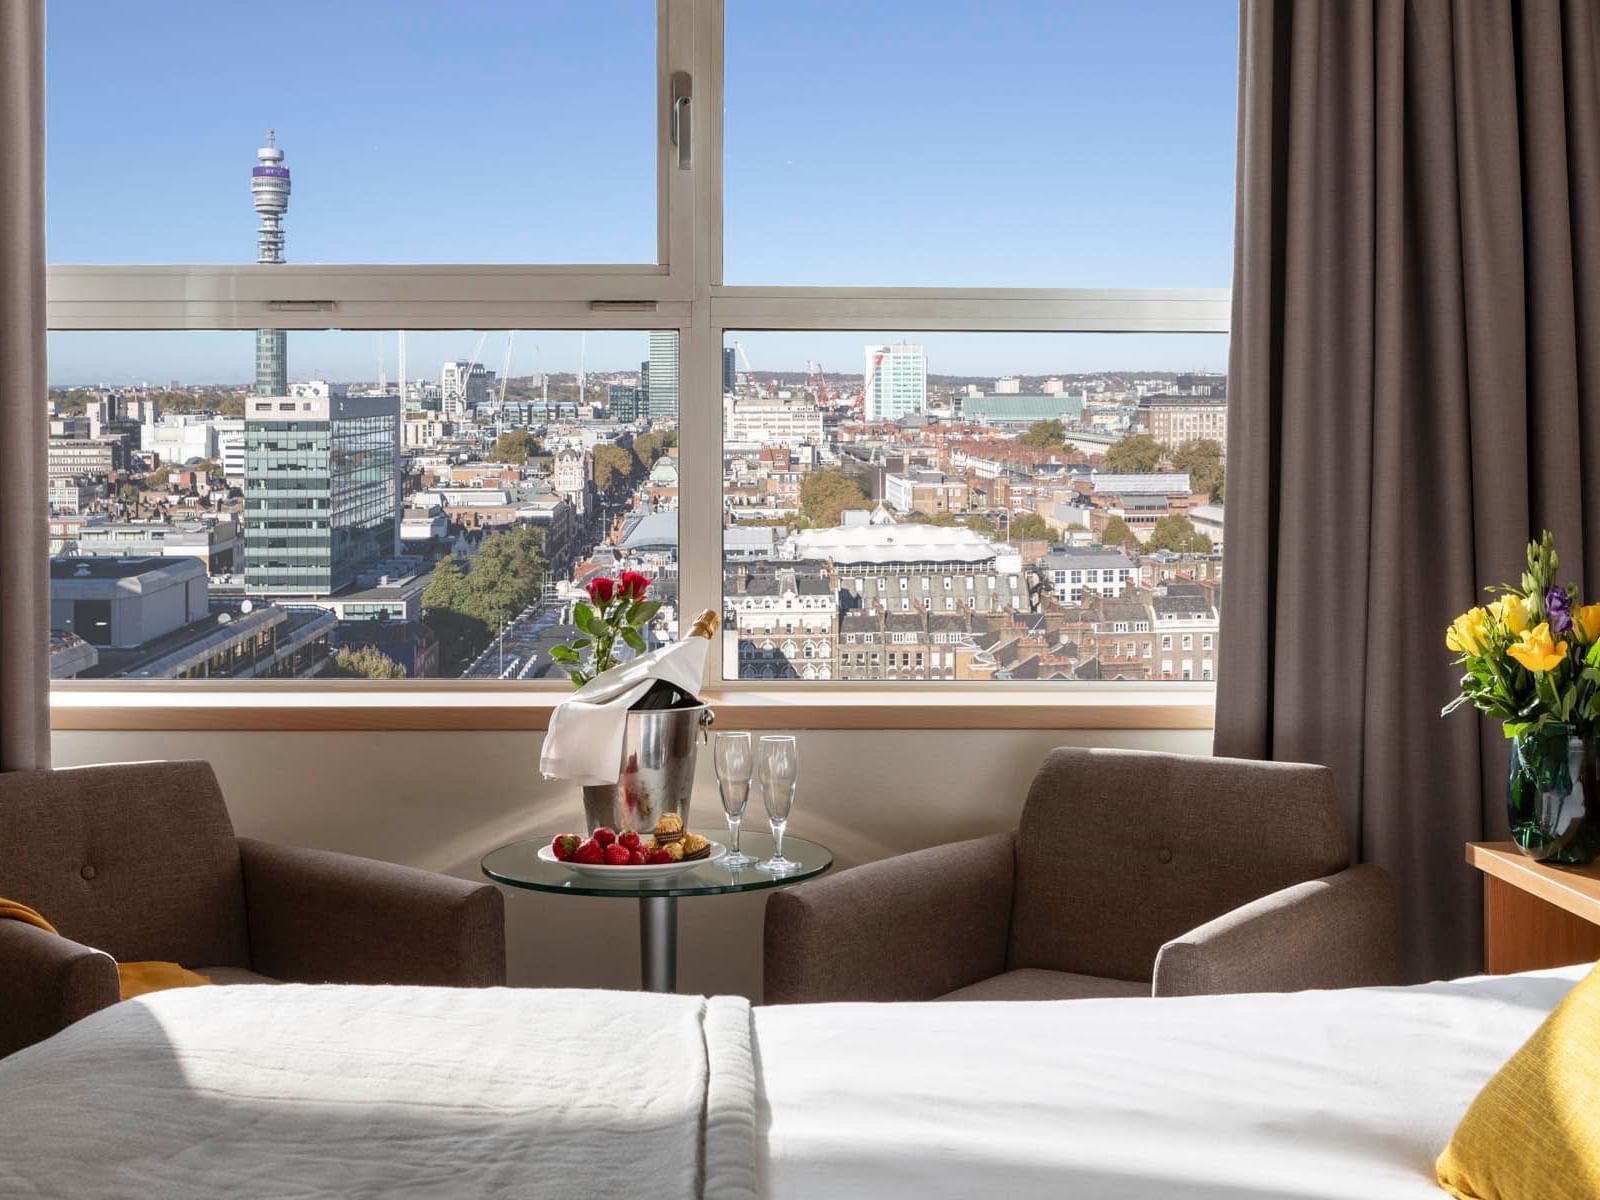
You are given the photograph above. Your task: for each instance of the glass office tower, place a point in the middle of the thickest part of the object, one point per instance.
(322, 491)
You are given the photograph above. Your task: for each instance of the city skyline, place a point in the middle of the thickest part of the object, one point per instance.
(225, 358)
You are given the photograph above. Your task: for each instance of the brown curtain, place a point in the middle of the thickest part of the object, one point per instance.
(24, 583)
(1414, 391)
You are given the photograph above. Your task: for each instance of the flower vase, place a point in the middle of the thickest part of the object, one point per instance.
(1553, 783)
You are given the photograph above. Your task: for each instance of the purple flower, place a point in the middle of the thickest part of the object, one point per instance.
(1558, 607)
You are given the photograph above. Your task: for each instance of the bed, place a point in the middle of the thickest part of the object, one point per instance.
(318, 1091)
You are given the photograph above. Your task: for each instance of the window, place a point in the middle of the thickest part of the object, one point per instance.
(432, 525)
(416, 123)
(1048, 115)
(881, 425)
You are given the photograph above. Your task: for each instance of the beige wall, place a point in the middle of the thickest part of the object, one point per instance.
(440, 800)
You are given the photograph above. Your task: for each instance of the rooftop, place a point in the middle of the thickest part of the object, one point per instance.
(873, 544)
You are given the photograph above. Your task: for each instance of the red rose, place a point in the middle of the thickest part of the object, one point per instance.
(601, 589)
(634, 585)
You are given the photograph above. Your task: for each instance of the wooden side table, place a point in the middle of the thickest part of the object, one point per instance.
(1535, 916)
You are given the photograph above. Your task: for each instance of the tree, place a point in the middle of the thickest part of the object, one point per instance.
(467, 609)
(825, 494)
(979, 523)
(1136, 454)
(367, 662)
(1202, 458)
(1047, 435)
(649, 447)
(1117, 533)
(1175, 533)
(1029, 527)
(516, 447)
(614, 470)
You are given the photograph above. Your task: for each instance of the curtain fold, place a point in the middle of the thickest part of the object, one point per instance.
(1414, 392)
(24, 532)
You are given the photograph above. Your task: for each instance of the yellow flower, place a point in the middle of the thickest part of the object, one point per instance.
(1586, 621)
(1536, 651)
(1467, 634)
(1511, 611)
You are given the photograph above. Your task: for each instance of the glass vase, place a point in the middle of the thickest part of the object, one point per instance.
(1553, 783)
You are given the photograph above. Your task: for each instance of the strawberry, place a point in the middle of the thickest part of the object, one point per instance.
(658, 855)
(636, 858)
(565, 845)
(616, 856)
(629, 839)
(605, 835)
(590, 852)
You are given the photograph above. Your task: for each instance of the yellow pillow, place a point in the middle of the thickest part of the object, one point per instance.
(1533, 1133)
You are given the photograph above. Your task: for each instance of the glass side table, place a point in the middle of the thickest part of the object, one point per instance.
(517, 865)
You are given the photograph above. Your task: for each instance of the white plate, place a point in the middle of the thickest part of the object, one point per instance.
(649, 871)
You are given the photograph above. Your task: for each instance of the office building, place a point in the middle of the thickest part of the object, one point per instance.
(322, 491)
(462, 387)
(622, 401)
(896, 382)
(730, 371)
(662, 401)
(1174, 420)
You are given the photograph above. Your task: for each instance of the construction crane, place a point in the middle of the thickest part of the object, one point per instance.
(505, 365)
(818, 381)
(749, 374)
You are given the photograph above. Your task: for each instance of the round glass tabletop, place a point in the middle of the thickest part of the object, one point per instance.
(518, 865)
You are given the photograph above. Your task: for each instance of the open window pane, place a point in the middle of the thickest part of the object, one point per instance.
(284, 505)
(1034, 143)
(972, 506)
(421, 132)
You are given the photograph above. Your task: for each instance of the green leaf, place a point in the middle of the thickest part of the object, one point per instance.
(583, 617)
(633, 638)
(644, 612)
(582, 643)
(563, 654)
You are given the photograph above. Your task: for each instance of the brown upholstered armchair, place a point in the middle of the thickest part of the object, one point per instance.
(139, 861)
(1131, 874)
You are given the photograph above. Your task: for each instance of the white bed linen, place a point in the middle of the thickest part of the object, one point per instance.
(1347, 1094)
(384, 1092)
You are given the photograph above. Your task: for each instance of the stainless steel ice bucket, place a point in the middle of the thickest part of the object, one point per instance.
(658, 752)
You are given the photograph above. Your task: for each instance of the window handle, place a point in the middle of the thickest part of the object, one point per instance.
(682, 131)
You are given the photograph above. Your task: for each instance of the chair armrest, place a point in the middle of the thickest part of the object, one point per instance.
(907, 928)
(1336, 932)
(47, 982)
(320, 917)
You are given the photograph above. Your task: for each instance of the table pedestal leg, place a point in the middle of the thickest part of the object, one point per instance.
(658, 943)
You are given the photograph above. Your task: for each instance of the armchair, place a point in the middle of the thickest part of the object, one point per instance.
(139, 861)
(1131, 874)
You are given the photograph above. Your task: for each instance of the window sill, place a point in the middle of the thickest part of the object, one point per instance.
(378, 710)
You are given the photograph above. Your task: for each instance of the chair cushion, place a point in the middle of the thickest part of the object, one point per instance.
(1120, 851)
(227, 976)
(1033, 984)
(136, 859)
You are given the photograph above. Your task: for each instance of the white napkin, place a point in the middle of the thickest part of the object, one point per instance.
(584, 741)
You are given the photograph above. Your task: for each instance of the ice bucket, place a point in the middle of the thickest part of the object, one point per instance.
(658, 751)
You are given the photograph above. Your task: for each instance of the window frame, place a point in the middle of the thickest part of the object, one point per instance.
(684, 292)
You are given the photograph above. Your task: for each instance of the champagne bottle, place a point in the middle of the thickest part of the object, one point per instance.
(663, 694)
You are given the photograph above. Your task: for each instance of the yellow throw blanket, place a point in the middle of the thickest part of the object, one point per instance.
(136, 978)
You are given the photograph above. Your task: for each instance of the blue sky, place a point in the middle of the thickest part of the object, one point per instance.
(1079, 143)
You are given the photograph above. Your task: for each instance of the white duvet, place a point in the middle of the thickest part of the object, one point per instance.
(1342, 1094)
(414, 1092)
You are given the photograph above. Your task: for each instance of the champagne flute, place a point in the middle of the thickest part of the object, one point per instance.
(779, 761)
(735, 765)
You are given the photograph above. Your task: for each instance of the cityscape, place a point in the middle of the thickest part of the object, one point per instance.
(891, 522)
